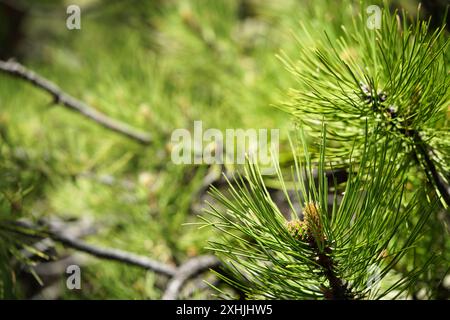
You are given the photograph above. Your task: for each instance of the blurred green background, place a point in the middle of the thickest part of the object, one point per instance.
(157, 65)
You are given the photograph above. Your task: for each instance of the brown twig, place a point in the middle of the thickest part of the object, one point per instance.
(64, 99)
(337, 289)
(310, 230)
(106, 253)
(117, 255)
(179, 275)
(186, 271)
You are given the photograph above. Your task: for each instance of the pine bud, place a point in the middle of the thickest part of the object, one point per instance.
(297, 229)
(383, 254)
(312, 221)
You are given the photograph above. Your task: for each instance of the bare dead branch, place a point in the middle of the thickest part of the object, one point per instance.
(106, 253)
(186, 271)
(79, 229)
(60, 97)
(179, 276)
(118, 255)
(59, 267)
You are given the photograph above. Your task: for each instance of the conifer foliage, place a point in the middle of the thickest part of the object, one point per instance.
(372, 101)
(356, 208)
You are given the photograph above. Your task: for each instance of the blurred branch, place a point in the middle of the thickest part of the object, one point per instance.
(37, 8)
(116, 254)
(186, 271)
(80, 229)
(17, 70)
(179, 275)
(58, 267)
(107, 253)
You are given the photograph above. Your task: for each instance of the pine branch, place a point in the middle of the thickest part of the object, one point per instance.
(310, 230)
(80, 229)
(401, 92)
(117, 255)
(430, 168)
(186, 271)
(60, 97)
(337, 290)
(328, 254)
(179, 276)
(106, 253)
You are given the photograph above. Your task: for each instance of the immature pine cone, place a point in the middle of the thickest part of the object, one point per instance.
(312, 221)
(297, 229)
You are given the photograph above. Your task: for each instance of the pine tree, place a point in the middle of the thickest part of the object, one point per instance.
(365, 181)
(374, 102)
